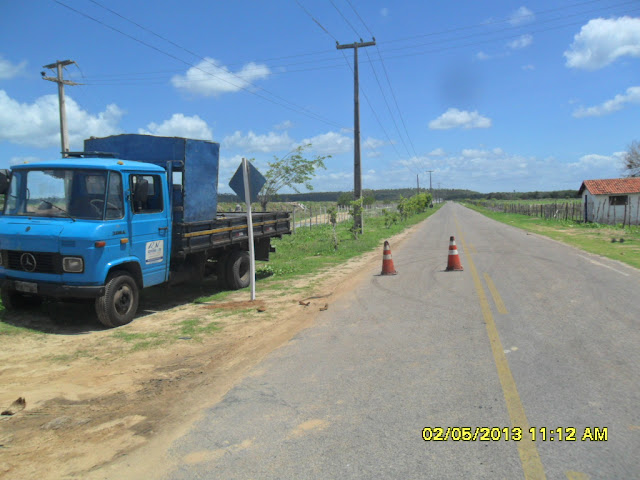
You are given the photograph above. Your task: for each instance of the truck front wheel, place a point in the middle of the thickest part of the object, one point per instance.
(238, 270)
(119, 303)
(12, 300)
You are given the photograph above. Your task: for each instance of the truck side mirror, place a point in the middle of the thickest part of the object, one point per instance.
(5, 176)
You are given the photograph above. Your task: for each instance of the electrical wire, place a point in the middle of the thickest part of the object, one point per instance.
(295, 108)
(406, 131)
(405, 55)
(345, 19)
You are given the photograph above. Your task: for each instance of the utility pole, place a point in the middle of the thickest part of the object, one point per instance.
(357, 170)
(64, 135)
(430, 189)
(418, 183)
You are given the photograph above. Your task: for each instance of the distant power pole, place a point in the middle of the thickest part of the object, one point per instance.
(418, 183)
(357, 171)
(64, 135)
(430, 189)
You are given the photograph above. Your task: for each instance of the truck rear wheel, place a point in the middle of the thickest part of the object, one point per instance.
(119, 303)
(238, 269)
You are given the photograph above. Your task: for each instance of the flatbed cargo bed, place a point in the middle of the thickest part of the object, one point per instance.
(227, 229)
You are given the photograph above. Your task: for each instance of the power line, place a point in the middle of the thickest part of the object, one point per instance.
(390, 86)
(504, 20)
(360, 18)
(387, 104)
(388, 57)
(316, 21)
(345, 19)
(296, 108)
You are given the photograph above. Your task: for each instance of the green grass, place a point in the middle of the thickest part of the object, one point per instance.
(311, 250)
(7, 329)
(196, 327)
(307, 252)
(590, 237)
(191, 329)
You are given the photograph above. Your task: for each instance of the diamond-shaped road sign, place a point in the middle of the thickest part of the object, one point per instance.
(256, 182)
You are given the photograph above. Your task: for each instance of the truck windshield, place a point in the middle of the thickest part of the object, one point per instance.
(70, 193)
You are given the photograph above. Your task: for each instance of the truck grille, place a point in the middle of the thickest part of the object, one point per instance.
(36, 262)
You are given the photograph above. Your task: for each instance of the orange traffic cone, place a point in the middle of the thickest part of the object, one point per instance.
(454, 260)
(387, 261)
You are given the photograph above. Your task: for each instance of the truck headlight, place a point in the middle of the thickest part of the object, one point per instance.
(73, 264)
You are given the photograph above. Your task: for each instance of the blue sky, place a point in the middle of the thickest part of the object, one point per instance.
(491, 96)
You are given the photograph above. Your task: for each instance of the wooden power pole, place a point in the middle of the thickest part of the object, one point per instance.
(357, 170)
(64, 134)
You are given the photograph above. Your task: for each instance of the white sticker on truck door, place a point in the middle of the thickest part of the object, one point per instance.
(154, 252)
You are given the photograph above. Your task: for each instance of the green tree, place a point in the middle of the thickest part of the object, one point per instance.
(368, 197)
(292, 170)
(344, 199)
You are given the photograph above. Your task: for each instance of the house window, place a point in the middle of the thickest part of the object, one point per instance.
(618, 199)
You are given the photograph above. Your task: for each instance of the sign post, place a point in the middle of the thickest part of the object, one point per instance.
(252, 253)
(246, 183)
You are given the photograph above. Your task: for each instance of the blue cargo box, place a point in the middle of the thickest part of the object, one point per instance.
(197, 160)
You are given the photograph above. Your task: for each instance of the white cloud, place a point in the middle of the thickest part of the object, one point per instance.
(384, 12)
(528, 67)
(520, 16)
(602, 41)
(210, 78)
(596, 161)
(438, 152)
(330, 143)
(522, 41)
(470, 152)
(371, 143)
(454, 118)
(618, 102)
(286, 125)
(482, 56)
(38, 124)
(271, 142)
(180, 126)
(9, 70)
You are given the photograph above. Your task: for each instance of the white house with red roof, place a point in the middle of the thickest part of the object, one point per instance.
(611, 201)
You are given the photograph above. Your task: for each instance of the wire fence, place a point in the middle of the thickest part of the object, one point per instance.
(313, 216)
(557, 210)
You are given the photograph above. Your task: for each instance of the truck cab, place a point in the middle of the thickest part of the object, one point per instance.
(86, 227)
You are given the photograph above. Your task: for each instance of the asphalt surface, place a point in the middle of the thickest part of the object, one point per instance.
(532, 334)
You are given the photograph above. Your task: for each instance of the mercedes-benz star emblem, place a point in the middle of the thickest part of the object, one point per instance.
(28, 262)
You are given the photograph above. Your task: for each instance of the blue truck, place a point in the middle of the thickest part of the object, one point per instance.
(130, 212)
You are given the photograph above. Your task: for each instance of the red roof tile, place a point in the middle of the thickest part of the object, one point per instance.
(614, 186)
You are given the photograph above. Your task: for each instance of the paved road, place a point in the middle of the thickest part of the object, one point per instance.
(532, 334)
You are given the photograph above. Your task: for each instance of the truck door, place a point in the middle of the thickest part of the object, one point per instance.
(149, 226)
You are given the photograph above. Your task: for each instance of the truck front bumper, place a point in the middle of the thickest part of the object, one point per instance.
(53, 289)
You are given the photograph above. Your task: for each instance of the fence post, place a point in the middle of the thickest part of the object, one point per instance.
(294, 220)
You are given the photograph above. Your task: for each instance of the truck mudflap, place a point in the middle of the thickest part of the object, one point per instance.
(52, 289)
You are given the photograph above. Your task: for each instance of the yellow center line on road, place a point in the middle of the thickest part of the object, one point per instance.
(529, 457)
(497, 299)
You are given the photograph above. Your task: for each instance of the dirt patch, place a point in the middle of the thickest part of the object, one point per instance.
(108, 403)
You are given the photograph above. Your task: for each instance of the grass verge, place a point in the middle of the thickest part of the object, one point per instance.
(615, 242)
(311, 250)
